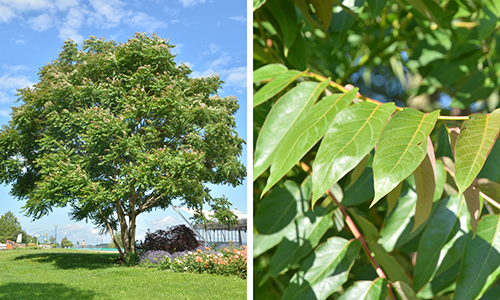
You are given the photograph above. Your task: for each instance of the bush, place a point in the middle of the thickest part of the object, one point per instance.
(175, 239)
(226, 262)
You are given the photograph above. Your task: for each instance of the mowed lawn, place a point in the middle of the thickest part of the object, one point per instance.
(71, 274)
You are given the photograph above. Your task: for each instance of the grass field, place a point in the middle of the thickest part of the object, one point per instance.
(70, 274)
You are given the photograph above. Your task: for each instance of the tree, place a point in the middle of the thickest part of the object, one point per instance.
(9, 227)
(118, 238)
(351, 152)
(66, 243)
(116, 130)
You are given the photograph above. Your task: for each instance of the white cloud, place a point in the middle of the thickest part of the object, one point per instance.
(214, 48)
(142, 22)
(7, 14)
(20, 41)
(162, 222)
(240, 19)
(237, 77)
(41, 23)
(8, 82)
(4, 113)
(4, 97)
(24, 5)
(65, 4)
(109, 13)
(189, 3)
(73, 22)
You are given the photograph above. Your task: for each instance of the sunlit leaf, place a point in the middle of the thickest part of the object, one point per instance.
(352, 135)
(370, 232)
(366, 290)
(476, 139)
(275, 86)
(401, 148)
(481, 258)
(268, 72)
(257, 4)
(305, 133)
(284, 114)
(324, 271)
(404, 291)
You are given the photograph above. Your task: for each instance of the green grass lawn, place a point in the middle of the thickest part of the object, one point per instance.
(70, 274)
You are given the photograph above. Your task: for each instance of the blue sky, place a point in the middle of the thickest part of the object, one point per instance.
(210, 38)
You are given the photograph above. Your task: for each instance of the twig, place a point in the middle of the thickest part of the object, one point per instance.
(359, 237)
(343, 89)
(356, 234)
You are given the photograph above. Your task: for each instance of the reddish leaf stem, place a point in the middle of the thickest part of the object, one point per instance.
(359, 237)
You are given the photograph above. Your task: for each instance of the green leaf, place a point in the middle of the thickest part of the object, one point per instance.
(427, 8)
(473, 204)
(492, 164)
(391, 267)
(443, 229)
(404, 291)
(284, 13)
(308, 231)
(443, 147)
(268, 72)
(358, 170)
(275, 86)
(257, 4)
(401, 148)
(297, 54)
(324, 11)
(276, 213)
(398, 225)
(324, 271)
(481, 258)
(284, 114)
(376, 7)
(369, 230)
(305, 133)
(366, 290)
(352, 135)
(475, 141)
(487, 21)
(490, 188)
(440, 180)
(393, 196)
(361, 191)
(425, 184)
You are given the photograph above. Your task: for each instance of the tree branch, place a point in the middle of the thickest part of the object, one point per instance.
(110, 229)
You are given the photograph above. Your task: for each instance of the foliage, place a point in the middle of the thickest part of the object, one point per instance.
(362, 189)
(65, 242)
(10, 228)
(222, 214)
(69, 274)
(176, 238)
(203, 260)
(118, 239)
(116, 130)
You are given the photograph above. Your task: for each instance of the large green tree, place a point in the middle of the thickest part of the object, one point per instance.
(116, 130)
(372, 179)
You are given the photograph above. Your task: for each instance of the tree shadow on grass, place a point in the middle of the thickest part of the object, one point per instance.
(89, 261)
(33, 290)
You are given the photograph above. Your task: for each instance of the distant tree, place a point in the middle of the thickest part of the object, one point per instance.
(118, 239)
(9, 226)
(65, 242)
(52, 240)
(114, 131)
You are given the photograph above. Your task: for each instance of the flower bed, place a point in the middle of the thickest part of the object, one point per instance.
(224, 261)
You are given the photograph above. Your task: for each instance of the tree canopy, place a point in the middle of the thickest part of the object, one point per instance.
(115, 130)
(375, 131)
